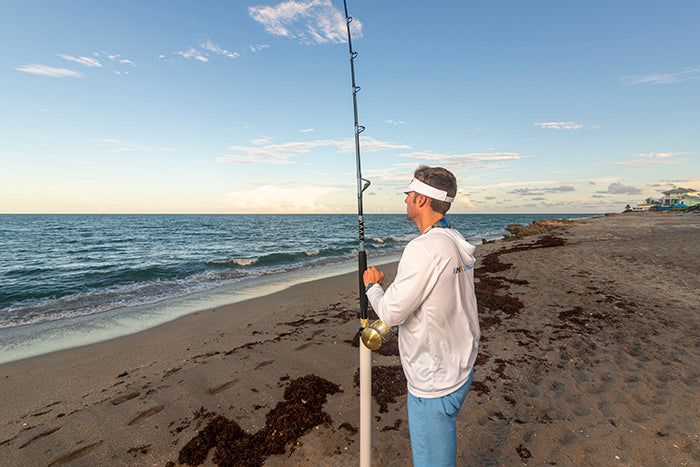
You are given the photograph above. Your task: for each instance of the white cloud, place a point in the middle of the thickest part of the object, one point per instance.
(309, 21)
(307, 130)
(261, 141)
(123, 61)
(98, 58)
(44, 70)
(661, 154)
(368, 144)
(258, 48)
(462, 161)
(560, 125)
(193, 53)
(252, 156)
(684, 74)
(463, 198)
(280, 199)
(211, 47)
(281, 153)
(395, 176)
(87, 61)
(207, 47)
(270, 154)
(394, 122)
(644, 164)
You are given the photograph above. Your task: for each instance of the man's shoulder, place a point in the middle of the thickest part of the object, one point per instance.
(438, 236)
(428, 242)
(417, 246)
(442, 240)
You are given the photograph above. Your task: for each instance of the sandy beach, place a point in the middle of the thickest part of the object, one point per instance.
(590, 355)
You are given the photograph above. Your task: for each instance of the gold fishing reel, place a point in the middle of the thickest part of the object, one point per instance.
(376, 334)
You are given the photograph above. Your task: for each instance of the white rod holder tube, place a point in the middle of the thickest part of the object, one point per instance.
(365, 405)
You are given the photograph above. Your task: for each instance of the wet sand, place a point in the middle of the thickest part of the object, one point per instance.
(590, 356)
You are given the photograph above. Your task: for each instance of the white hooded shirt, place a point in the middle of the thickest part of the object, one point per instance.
(432, 300)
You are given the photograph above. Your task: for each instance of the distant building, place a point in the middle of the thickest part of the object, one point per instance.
(642, 207)
(674, 196)
(690, 200)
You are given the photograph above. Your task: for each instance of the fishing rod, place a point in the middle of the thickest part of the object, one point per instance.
(365, 353)
(362, 183)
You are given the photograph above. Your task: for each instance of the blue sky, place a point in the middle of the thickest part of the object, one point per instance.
(246, 106)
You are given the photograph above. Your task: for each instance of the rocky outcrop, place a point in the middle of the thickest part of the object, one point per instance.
(518, 231)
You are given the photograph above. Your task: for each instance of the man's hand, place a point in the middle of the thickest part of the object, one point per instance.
(373, 276)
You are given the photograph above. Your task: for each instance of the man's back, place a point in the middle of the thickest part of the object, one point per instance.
(432, 298)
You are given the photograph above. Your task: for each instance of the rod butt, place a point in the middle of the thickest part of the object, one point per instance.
(365, 406)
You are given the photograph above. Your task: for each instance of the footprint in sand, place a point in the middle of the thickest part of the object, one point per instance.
(222, 387)
(75, 454)
(40, 435)
(145, 414)
(264, 364)
(171, 371)
(124, 398)
(304, 346)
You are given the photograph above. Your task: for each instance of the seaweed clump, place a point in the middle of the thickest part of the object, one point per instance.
(196, 450)
(588, 322)
(487, 289)
(388, 383)
(301, 410)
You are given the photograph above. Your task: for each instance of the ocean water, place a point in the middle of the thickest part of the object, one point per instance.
(63, 269)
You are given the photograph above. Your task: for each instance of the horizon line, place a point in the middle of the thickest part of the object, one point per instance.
(263, 213)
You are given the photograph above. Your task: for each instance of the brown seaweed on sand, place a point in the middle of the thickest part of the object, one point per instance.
(301, 410)
(488, 287)
(388, 383)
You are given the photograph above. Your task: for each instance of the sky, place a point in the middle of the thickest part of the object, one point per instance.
(245, 106)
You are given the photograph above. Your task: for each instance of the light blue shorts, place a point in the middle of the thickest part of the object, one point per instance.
(432, 425)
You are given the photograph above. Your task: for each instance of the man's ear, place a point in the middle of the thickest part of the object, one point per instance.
(421, 200)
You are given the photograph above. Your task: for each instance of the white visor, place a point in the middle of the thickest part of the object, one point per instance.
(425, 189)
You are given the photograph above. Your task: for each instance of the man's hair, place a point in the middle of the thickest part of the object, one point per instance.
(441, 179)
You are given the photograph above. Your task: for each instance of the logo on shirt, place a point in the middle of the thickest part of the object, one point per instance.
(461, 269)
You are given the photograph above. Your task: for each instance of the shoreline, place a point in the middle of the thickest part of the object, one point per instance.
(133, 277)
(52, 335)
(599, 361)
(36, 339)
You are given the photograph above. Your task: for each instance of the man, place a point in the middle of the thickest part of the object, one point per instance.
(432, 300)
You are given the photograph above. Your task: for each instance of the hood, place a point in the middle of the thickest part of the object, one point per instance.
(464, 245)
